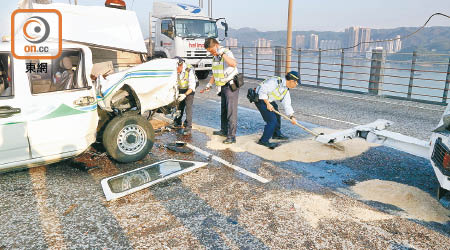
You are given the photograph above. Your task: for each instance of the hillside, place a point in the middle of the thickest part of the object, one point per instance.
(429, 39)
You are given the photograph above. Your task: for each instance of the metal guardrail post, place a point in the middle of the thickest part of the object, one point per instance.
(279, 61)
(242, 53)
(256, 54)
(318, 67)
(411, 78)
(341, 76)
(299, 61)
(447, 83)
(376, 72)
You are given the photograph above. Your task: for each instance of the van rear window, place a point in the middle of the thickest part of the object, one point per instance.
(6, 83)
(64, 73)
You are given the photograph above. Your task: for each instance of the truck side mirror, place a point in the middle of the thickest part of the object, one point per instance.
(171, 30)
(225, 25)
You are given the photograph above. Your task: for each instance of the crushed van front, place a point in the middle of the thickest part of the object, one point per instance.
(153, 83)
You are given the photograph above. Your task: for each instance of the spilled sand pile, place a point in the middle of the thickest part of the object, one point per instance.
(416, 203)
(157, 124)
(306, 150)
(314, 208)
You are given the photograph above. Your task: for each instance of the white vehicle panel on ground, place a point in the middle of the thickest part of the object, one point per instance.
(132, 181)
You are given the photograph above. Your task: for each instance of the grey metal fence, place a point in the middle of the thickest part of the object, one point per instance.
(423, 77)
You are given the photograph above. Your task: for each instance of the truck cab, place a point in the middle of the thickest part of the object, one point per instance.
(181, 30)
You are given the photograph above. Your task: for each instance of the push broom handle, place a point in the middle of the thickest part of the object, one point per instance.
(338, 147)
(301, 126)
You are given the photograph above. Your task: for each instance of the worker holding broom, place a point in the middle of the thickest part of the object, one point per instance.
(269, 91)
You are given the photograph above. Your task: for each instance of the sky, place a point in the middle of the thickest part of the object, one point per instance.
(270, 15)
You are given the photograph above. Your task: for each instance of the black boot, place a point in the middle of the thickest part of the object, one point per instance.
(268, 144)
(229, 141)
(219, 132)
(280, 137)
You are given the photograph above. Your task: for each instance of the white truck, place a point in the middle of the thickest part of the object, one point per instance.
(180, 30)
(44, 121)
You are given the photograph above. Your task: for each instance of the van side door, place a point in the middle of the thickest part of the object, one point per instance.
(65, 101)
(14, 147)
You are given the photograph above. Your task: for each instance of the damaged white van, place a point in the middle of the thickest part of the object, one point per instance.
(55, 112)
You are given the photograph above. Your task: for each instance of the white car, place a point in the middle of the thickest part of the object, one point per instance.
(53, 114)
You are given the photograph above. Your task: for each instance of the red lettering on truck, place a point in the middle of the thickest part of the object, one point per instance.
(196, 45)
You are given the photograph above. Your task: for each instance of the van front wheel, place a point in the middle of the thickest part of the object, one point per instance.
(128, 138)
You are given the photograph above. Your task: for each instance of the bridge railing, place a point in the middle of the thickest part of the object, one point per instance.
(423, 77)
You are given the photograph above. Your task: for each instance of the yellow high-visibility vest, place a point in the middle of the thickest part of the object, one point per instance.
(183, 83)
(276, 93)
(218, 70)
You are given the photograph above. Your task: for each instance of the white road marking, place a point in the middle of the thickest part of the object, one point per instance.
(228, 164)
(218, 159)
(331, 119)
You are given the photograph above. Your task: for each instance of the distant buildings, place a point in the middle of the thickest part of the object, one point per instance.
(314, 42)
(357, 38)
(397, 44)
(394, 45)
(352, 38)
(300, 42)
(389, 46)
(231, 42)
(333, 45)
(364, 39)
(264, 46)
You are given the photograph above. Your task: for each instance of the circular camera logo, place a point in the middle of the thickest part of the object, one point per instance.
(36, 29)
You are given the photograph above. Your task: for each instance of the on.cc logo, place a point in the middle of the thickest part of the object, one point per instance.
(36, 29)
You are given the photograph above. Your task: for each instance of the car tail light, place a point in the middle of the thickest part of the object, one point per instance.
(446, 161)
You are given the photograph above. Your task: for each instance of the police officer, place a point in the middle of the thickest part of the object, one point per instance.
(224, 68)
(186, 86)
(272, 90)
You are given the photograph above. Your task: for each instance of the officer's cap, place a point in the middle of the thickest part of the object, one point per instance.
(180, 60)
(293, 75)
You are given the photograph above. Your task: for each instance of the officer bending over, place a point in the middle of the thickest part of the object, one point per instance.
(269, 91)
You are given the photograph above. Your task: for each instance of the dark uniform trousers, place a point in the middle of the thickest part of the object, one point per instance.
(186, 103)
(229, 109)
(273, 121)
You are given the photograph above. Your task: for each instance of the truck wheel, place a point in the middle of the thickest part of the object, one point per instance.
(128, 138)
(202, 74)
